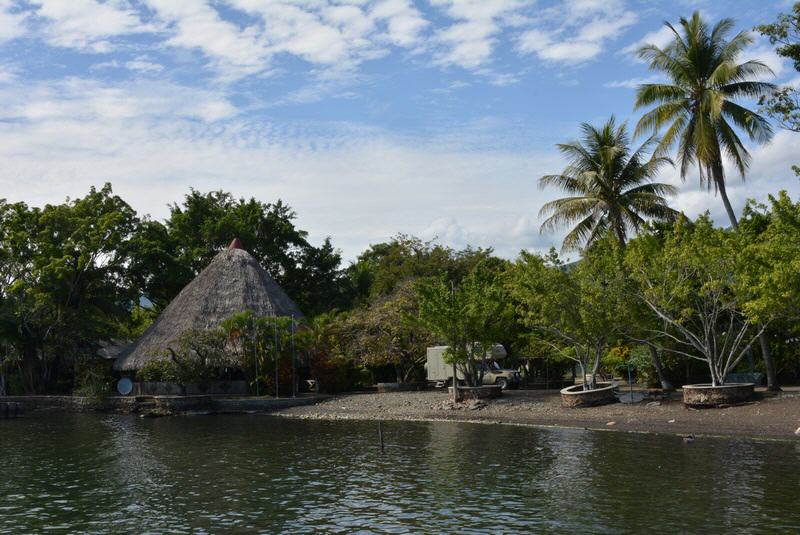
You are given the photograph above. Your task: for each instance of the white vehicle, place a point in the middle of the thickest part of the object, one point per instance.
(440, 373)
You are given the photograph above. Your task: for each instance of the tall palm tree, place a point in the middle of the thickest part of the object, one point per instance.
(610, 185)
(698, 102)
(699, 109)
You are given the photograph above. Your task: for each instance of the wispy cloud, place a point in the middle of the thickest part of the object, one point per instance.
(87, 24)
(470, 40)
(585, 26)
(633, 83)
(12, 23)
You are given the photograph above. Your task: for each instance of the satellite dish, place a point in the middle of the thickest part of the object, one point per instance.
(125, 386)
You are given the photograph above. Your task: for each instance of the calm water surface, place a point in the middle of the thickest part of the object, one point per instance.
(245, 474)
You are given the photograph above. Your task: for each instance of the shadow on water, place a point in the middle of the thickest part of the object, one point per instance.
(240, 474)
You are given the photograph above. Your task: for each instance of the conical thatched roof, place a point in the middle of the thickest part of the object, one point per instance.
(233, 282)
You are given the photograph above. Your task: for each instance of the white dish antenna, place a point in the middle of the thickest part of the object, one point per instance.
(125, 386)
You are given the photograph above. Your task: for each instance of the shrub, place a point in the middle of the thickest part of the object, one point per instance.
(158, 370)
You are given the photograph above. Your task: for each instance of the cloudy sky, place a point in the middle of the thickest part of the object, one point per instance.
(433, 118)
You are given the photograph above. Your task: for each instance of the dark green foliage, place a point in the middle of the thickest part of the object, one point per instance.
(158, 370)
(170, 254)
(64, 282)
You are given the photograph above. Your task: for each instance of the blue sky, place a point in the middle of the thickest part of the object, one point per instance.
(433, 118)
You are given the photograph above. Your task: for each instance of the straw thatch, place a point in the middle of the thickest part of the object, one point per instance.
(233, 282)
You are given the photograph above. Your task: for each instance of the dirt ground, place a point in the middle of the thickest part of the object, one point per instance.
(768, 416)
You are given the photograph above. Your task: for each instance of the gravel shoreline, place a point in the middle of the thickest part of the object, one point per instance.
(767, 417)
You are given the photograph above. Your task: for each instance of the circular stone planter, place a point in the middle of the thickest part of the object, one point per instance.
(576, 396)
(714, 396)
(477, 392)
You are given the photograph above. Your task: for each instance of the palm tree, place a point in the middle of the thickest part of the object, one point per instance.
(697, 104)
(611, 187)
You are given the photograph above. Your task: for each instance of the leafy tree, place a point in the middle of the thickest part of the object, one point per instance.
(692, 282)
(576, 308)
(784, 104)
(772, 275)
(385, 332)
(170, 254)
(698, 105)
(384, 266)
(610, 185)
(770, 244)
(64, 281)
(468, 317)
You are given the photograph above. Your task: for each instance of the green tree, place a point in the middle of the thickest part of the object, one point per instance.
(692, 282)
(469, 317)
(698, 106)
(64, 284)
(384, 266)
(611, 187)
(784, 104)
(170, 254)
(385, 332)
(576, 308)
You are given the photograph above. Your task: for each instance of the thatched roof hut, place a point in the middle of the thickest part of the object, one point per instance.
(233, 282)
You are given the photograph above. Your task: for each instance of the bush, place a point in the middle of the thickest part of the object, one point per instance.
(158, 370)
(93, 380)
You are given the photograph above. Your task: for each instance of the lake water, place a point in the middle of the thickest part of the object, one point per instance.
(245, 474)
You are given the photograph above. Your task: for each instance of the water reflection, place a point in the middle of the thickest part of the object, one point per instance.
(241, 474)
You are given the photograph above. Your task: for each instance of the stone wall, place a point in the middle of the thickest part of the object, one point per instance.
(575, 396)
(714, 396)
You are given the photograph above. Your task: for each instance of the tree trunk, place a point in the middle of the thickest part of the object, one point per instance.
(666, 385)
(769, 364)
(719, 182)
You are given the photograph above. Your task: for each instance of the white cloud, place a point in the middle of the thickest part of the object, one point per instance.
(633, 83)
(469, 42)
(586, 26)
(8, 73)
(660, 38)
(144, 65)
(404, 22)
(12, 25)
(76, 99)
(234, 51)
(87, 24)
(765, 53)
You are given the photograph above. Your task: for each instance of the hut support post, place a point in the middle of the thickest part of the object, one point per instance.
(255, 353)
(294, 379)
(277, 355)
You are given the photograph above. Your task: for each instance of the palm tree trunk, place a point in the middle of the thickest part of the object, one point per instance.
(719, 181)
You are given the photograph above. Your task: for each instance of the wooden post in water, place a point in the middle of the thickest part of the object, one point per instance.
(380, 434)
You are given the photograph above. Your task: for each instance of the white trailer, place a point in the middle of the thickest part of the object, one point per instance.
(440, 372)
